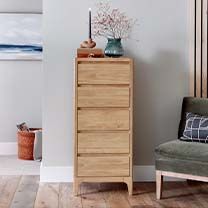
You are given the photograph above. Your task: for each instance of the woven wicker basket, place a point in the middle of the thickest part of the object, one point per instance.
(26, 144)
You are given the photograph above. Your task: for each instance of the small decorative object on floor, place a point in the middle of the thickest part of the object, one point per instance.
(113, 25)
(89, 43)
(26, 138)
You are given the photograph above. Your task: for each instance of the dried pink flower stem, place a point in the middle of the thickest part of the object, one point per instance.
(111, 23)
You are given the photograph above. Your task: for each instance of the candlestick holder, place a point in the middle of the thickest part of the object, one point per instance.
(88, 44)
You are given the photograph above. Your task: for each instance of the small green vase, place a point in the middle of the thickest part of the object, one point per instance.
(114, 48)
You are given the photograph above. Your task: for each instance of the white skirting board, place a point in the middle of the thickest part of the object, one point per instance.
(65, 174)
(8, 148)
(56, 174)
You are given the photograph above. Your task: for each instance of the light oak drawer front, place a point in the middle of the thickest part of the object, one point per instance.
(103, 142)
(103, 97)
(99, 73)
(105, 119)
(103, 166)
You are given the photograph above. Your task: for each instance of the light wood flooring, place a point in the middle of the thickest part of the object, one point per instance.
(26, 192)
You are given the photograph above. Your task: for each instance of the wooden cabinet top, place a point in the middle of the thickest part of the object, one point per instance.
(123, 59)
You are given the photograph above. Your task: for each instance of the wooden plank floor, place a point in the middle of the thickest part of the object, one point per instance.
(26, 192)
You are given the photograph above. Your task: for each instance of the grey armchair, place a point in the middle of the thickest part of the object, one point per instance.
(187, 160)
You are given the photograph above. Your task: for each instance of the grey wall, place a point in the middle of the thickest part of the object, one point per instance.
(20, 95)
(161, 73)
(20, 83)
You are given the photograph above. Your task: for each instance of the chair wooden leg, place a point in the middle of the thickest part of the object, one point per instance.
(159, 182)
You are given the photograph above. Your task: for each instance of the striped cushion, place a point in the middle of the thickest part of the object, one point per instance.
(196, 129)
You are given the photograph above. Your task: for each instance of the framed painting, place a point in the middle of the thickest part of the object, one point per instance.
(20, 36)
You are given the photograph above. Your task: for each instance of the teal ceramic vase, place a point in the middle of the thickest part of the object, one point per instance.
(114, 48)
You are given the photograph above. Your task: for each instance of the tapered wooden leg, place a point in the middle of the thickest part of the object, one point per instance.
(130, 186)
(159, 182)
(76, 188)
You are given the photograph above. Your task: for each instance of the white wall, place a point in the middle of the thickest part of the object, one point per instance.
(20, 83)
(161, 73)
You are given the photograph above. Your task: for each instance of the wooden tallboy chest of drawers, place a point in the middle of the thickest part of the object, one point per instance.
(103, 109)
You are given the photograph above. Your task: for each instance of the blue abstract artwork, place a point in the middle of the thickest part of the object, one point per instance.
(20, 36)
